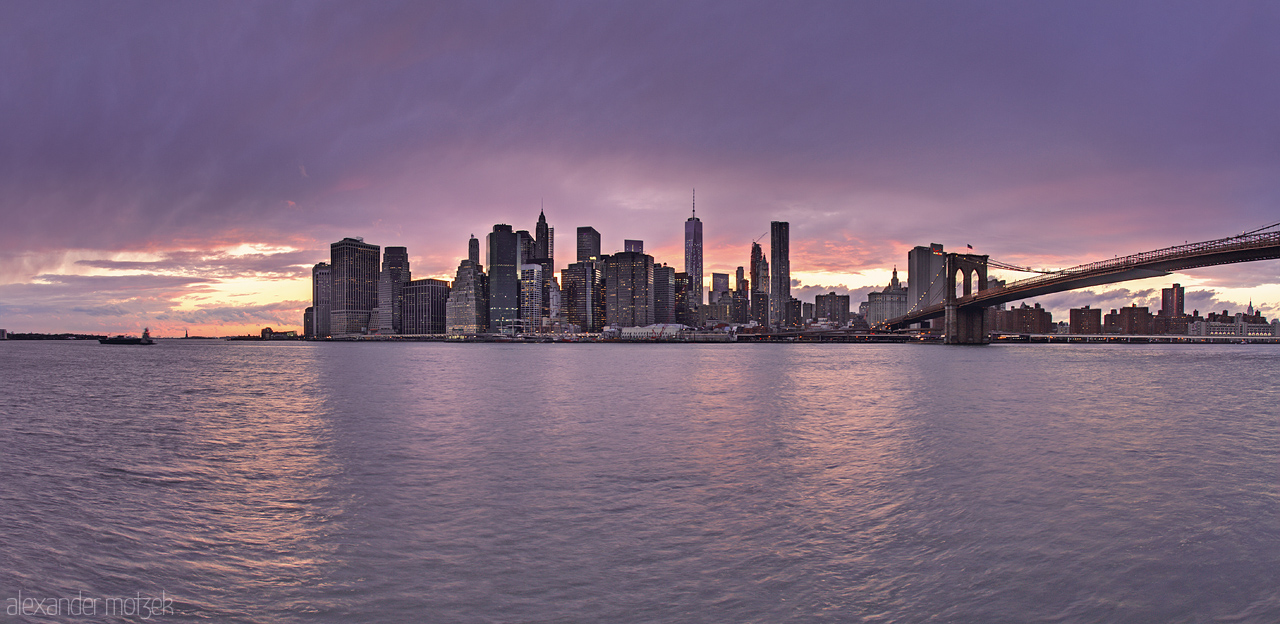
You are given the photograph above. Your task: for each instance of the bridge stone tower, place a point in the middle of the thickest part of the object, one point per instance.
(965, 324)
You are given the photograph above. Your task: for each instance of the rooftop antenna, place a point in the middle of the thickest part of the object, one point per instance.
(695, 203)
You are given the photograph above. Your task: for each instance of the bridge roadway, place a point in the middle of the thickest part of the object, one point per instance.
(1161, 262)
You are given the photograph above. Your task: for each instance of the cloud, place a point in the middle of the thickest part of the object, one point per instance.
(1042, 134)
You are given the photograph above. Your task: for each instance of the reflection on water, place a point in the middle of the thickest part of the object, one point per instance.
(646, 483)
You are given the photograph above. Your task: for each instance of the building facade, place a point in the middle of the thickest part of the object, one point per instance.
(888, 303)
(425, 304)
(693, 259)
(588, 244)
(780, 277)
(354, 285)
(321, 286)
(833, 307)
(926, 277)
(628, 278)
(583, 297)
(1085, 320)
(467, 305)
(504, 253)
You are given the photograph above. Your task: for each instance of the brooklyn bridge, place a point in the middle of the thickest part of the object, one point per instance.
(966, 294)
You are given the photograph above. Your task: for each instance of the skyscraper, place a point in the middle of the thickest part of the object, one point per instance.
(395, 274)
(780, 280)
(321, 285)
(693, 256)
(664, 294)
(636, 246)
(1171, 301)
(504, 278)
(926, 279)
(473, 250)
(582, 296)
(542, 237)
(354, 290)
(719, 286)
(531, 299)
(425, 303)
(628, 278)
(588, 244)
(467, 306)
(759, 270)
(681, 287)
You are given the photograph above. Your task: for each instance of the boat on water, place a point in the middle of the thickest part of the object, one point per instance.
(130, 340)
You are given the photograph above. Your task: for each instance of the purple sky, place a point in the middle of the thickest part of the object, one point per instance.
(183, 163)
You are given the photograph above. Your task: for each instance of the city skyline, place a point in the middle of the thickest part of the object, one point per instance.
(1044, 136)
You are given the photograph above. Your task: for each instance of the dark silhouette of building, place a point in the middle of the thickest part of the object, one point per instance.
(1025, 319)
(926, 281)
(504, 278)
(780, 279)
(693, 257)
(583, 295)
(467, 305)
(321, 287)
(759, 270)
(1085, 320)
(308, 322)
(664, 294)
(425, 305)
(628, 278)
(473, 250)
(395, 274)
(686, 313)
(833, 307)
(760, 308)
(1132, 320)
(1171, 301)
(588, 244)
(354, 286)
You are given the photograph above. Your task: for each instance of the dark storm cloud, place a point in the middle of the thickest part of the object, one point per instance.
(1045, 134)
(131, 121)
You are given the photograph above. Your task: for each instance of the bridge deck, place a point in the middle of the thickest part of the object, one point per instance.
(1244, 248)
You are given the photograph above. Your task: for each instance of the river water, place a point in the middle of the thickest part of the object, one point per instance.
(420, 482)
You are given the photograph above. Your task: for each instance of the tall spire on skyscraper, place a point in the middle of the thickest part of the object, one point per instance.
(695, 203)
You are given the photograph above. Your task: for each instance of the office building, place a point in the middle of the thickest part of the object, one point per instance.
(633, 246)
(686, 314)
(308, 322)
(321, 286)
(1085, 320)
(544, 243)
(664, 294)
(531, 297)
(780, 279)
(354, 286)
(628, 278)
(833, 307)
(473, 250)
(759, 269)
(926, 279)
(719, 287)
(467, 305)
(588, 244)
(504, 278)
(425, 305)
(583, 296)
(693, 258)
(391, 282)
